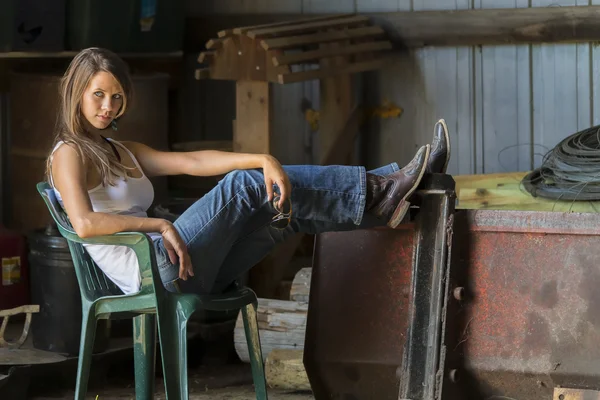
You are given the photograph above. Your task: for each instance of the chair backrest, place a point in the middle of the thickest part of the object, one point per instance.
(93, 283)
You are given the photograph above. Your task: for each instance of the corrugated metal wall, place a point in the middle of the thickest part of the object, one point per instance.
(505, 105)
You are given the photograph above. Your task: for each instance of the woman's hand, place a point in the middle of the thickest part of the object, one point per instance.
(177, 250)
(274, 174)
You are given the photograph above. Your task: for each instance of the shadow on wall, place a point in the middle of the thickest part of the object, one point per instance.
(396, 139)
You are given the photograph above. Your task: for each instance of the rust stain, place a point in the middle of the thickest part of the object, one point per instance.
(547, 296)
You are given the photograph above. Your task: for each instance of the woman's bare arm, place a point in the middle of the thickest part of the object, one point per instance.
(69, 177)
(196, 163)
(211, 163)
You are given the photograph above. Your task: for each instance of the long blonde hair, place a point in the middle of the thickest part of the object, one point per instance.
(70, 126)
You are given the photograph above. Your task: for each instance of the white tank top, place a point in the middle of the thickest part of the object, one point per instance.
(128, 197)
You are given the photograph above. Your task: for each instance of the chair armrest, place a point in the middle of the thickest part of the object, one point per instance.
(139, 242)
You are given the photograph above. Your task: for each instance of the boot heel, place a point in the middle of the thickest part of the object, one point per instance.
(399, 214)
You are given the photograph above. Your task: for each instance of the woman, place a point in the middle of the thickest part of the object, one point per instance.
(103, 186)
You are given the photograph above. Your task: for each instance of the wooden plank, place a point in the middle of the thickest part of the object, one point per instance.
(244, 29)
(225, 33)
(323, 73)
(337, 104)
(517, 199)
(206, 56)
(323, 37)
(488, 181)
(315, 55)
(214, 44)
(296, 29)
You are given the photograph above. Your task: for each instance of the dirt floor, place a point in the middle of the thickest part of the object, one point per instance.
(215, 372)
(231, 382)
(233, 393)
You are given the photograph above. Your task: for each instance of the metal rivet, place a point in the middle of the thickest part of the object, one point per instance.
(239, 53)
(459, 293)
(453, 375)
(257, 67)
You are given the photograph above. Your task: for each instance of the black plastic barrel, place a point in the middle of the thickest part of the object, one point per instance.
(54, 286)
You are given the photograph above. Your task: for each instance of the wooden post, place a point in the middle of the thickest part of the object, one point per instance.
(413, 29)
(337, 102)
(252, 132)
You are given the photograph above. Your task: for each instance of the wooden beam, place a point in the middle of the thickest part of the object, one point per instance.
(457, 28)
(494, 26)
(325, 72)
(253, 112)
(323, 37)
(206, 56)
(295, 29)
(337, 104)
(315, 55)
(214, 44)
(292, 21)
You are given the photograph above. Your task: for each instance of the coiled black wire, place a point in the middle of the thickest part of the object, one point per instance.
(571, 170)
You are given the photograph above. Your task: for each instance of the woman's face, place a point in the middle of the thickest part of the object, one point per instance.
(102, 100)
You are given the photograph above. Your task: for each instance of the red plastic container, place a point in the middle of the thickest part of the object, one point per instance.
(14, 283)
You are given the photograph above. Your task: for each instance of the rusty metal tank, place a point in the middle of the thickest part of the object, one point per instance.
(522, 317)
(34, 100)
(378, 302)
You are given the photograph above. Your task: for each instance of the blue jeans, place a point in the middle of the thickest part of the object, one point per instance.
(228, 230)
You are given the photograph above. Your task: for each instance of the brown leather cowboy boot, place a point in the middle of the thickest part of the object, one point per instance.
(440, 149)
(387, 195)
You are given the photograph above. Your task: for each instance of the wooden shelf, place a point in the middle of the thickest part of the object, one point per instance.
(69, 54)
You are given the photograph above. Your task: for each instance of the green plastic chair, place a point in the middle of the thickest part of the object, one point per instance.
(153, 305)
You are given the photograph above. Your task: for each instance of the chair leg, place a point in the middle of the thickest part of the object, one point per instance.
(254, 349)
(172, 328)
(144, 353)
(86, 347)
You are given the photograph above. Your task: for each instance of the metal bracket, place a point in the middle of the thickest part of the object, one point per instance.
(575, 394)
(423, 366)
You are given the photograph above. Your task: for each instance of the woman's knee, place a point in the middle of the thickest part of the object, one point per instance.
(241, 178)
